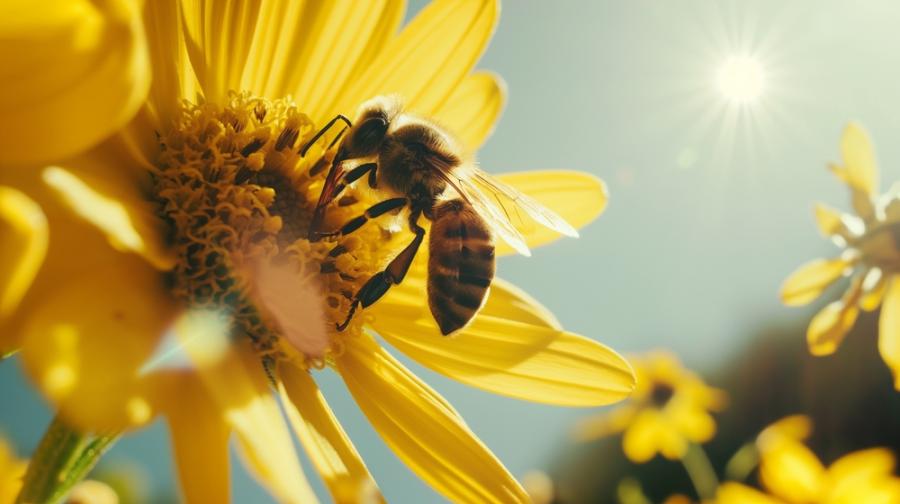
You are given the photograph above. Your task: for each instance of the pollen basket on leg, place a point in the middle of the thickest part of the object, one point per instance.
(238, 196)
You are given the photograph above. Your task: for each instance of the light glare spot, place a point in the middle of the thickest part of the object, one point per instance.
(741, 79)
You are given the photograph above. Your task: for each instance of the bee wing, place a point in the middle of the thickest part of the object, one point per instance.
(461, 180)
(496, 217)
(513, 202)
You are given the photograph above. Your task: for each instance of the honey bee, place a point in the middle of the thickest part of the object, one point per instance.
(419, 166)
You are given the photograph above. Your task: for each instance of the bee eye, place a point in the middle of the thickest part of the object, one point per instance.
(368, 136)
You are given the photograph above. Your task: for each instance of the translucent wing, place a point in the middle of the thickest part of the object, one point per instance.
(488, 209)
(512, 202)
(503, 206)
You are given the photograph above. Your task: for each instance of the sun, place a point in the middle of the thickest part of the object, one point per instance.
(741, 79)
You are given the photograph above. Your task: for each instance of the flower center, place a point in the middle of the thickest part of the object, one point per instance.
(239, 196)
(661, 394)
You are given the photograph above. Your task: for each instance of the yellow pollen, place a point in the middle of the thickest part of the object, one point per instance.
(236, 193)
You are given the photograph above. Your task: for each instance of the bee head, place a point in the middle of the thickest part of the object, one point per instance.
(372, 123)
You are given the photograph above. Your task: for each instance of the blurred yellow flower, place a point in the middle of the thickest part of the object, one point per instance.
(792, 474)
(871, 257)
(11, 471)
(668, 410)
(173, 254)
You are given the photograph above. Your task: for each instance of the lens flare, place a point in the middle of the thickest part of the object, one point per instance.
(741, 79)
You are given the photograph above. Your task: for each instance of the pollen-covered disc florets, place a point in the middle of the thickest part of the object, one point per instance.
(240, 197)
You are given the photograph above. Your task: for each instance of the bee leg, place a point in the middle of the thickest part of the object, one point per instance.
(354, 175)
(376, 210)
(396, 270)
(322, 131)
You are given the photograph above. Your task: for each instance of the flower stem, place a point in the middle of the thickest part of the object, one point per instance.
(742, 462)
(62, 459)
(701, 472)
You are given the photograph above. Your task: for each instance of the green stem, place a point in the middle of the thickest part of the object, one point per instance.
(742, 463)
(701, 472)
(62, 459)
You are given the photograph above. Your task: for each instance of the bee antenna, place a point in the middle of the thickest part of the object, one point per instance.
(303, 150)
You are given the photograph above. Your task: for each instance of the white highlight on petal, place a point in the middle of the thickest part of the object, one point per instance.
(295, 304)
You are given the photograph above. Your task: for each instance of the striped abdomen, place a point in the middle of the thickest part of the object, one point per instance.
(460, 265)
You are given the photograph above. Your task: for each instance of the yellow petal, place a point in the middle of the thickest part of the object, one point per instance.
(430, 57)
(73, 72)
(12, 470)
(694, 423)
(827, 329)
(790, 428)
(23, 235)
(85, 342)
(311, 50)
(422, 429)
(650, 434)
(792, 472)
(829, 221)
(173, 75)
(736, 493)
(218, 37)
(859, 159)
(889, 330)
(602, 425)
(324, 440)
(473, 109)
(512, 348)
(199, 439)
(862, 465)
(577, 197)
(237, 384)
(97, 188)
(811, 279)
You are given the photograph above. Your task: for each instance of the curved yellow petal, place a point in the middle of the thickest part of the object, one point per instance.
(889, 329)
(430, 57)
(513, 347)
(862, 465)
(694, 423)
(311, 50)
(650, 434)
(829, 221)
(86, 341)
(323, 438)
(199, 440)
(12, 470)
(605, 424)
(112, 197)
(23, 245)
(578, 197)
(422, 430)
(810, 280)
(173, 75)
(859, 159)
(73, 72)
(792, 472)
(473, 109)
(736, 493)
(827, 329)
(790, 428)
(218, 38)
(237, 384)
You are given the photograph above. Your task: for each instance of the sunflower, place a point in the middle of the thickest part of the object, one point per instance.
(670, 409)
(870, 257)
(792, 474)
(155, 235)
